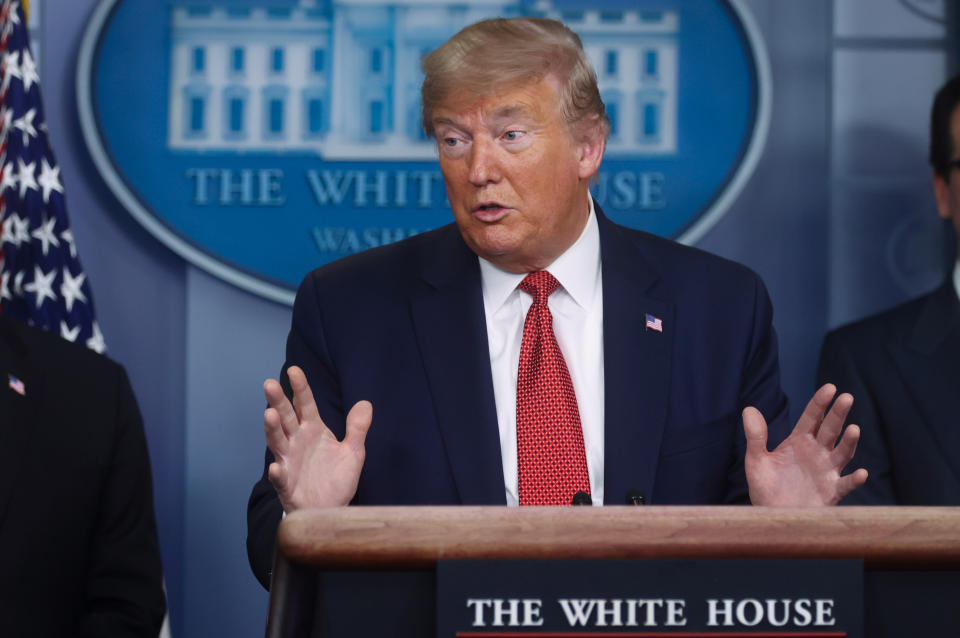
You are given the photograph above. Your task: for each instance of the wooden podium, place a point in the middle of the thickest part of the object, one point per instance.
(359, 563)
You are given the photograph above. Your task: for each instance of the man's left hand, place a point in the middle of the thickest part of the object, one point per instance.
(805, 469)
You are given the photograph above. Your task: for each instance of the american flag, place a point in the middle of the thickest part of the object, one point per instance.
(654, 323)
(16, 385)
(42, 282)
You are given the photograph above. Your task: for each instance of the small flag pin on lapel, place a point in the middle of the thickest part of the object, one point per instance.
(654, 323)
(17, 385)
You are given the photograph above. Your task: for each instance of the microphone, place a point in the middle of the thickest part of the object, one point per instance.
(582, 498)
(635, 497)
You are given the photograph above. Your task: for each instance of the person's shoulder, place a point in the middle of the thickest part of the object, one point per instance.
(679, 263)
(55, 354)
(898, 326)
(389, 263)
(890, 324)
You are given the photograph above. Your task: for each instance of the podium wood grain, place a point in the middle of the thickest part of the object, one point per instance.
(417, 537)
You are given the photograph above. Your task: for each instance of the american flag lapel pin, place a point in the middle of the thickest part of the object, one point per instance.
(653, 323)
(17, 385)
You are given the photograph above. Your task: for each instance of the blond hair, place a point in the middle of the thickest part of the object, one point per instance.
(503, 52)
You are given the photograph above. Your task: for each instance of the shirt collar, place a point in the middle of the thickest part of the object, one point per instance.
(576, 269)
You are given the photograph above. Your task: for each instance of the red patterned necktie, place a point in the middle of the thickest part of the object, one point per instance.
(551, 462)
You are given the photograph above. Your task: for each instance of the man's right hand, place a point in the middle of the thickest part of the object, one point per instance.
(312, 468)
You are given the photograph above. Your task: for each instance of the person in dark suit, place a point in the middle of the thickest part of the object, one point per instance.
(903, 365)
(666, 346)
(78, 540)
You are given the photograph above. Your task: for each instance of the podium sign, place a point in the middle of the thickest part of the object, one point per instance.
(591, 598)
(383, 571)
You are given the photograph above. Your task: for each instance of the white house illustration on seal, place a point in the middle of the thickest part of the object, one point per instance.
(341, 78)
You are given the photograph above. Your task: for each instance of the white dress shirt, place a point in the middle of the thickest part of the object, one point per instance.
(577, 309)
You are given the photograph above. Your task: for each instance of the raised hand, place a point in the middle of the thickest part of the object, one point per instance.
(312, 468)
(805, 469)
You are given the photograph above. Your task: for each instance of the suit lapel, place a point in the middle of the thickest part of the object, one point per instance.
(637, 363)
(451, 331)
(930, 367)
(452, 334)
(17, 412)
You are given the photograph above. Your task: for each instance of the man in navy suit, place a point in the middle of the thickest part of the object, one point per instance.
(904, 364)
(666, 346)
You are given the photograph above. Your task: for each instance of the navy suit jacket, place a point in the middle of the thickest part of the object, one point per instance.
(403, 326)
(78, 540)
(903, 368)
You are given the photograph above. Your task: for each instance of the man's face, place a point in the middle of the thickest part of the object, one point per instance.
(516, 179)
(948, 191)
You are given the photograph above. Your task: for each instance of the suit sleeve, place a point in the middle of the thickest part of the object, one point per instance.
(761, 389)
(124, 589)
(306, 347)
(839, 366)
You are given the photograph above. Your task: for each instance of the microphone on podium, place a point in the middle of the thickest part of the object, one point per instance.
(636, 497)
(582, 498)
